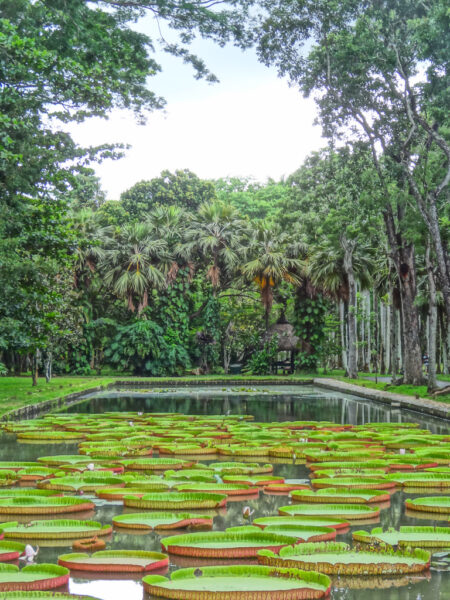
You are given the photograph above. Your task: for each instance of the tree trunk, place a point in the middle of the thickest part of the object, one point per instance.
(432, 383)
(369, 332)
(352, 341)
(48, 363)
(403, 257)
(376, 333)
(444, 351)
(393, 339)
(342, 331)
(35, 367)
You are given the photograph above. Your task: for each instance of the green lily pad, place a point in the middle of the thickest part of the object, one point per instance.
(32, 577)
(341, 495)
(176, 500)
(423, 537)
(336, 558)
(243, 582)
(302, 520)
(28, 505)
(433, 504)
(115, 561)
(54, 529)
(342, 511)
(166, 520)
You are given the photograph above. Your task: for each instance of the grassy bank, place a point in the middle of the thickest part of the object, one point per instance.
(417, 391)
(16, 392)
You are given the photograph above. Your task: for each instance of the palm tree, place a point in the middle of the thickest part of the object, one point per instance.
(335, 268)
(92, 238)
(270, 264)
(133, 264)
(216, 234)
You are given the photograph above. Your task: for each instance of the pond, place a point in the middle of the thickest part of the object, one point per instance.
(272, 404)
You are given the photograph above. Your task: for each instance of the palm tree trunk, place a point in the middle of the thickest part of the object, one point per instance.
(342, 330)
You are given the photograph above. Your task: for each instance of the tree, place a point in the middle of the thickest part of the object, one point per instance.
(182, 188)
(269, 264)
(252, 199)
(133, 265)
(378, 72)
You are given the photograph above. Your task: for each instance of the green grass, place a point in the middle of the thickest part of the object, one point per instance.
(16, 392)
(419, 391)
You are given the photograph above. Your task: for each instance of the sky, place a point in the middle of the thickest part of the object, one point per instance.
(251, 124)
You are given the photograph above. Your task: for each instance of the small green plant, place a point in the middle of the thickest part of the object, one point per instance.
(262, 361)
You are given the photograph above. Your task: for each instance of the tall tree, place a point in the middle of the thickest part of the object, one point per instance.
(379, 71)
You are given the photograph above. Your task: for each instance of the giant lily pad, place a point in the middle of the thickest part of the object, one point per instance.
(367, 483)
(154, 464)
(54, 529)
(176, 500)
(41, 595)
(301, 521)
(420, 479)
(341, 495)
(10, 550)
(83, 482)
(252, 480)
(433, 537)
(430, 504)
(115, 561)
(341, 511)
(234, 542)
(336, 558)
(32, 577)
(304, 533)
(229, 489)
(29, 505)
(236, 468)
(165, 520)
(240, 582)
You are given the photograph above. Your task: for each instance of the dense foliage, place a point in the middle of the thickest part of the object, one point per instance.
(183, 274)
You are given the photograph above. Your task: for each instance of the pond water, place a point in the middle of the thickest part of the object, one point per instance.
(268, 404)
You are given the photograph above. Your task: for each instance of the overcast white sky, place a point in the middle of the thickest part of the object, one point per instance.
(249, 124)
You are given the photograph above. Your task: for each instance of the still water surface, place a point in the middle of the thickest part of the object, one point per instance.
(268, 404)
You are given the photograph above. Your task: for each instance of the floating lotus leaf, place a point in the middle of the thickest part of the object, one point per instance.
(301, 521)
(41, 595)
(355, 472)
(64, 459)
(438, 469)
(176, 500)
(50, 435)
(115, 561)
(165, 520)
(408, 463)
(234, 542)
(36, 473)
(369, 464)
(295, 450)
(236, 468)
(8, 477)
(433, 504)
(229, 489)
(32, 577)
(239, 582)
(342, 511)
(341, 495)
(16, 466)
(245, 450)
(288, 486)
(433, 537)
(420, 479)
(335, 558)
(356, 456)
(155, 464)
(54, 529)
(30, 505)
(186, 449)
(86, 483)
(251, 480)
(204, 475)
(304, 533)
(119, 493)
(10, 550)
(367, 483)
(22, 492)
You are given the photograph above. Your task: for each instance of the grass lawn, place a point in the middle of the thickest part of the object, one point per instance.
(419, 391)
(16, 392)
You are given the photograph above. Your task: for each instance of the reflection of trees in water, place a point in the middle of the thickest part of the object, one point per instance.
(302, 406)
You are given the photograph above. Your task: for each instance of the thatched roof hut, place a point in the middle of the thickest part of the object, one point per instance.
(287, 340)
